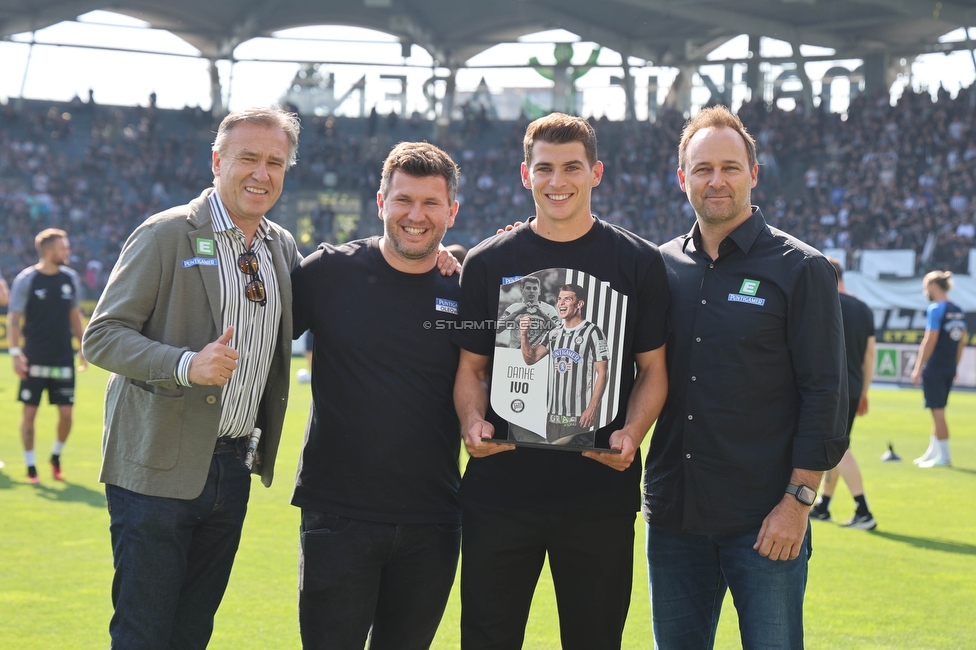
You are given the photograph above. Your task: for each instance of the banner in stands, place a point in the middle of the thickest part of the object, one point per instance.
(897, 341)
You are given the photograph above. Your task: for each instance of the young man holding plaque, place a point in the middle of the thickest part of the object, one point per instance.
(523, 503)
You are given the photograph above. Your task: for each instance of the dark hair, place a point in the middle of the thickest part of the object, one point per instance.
(262, 116)
(577, 290)
(531, 278)
(420, 159)
(715, 116)
(559, 128)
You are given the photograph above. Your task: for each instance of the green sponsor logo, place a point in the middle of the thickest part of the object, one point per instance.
(886, 364)
(205, 247)
(749, 287)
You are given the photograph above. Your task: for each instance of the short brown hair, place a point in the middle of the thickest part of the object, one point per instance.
(559, 128)
(420, 159)
(715, 116)
(838, 267)
(47, 237)
(941, 278)
(262, 116)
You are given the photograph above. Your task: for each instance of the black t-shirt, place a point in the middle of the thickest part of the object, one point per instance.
(858, 328)
(45, 302)
(383, 437)
(548, 480)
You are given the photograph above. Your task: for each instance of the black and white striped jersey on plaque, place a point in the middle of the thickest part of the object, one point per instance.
(573, 353)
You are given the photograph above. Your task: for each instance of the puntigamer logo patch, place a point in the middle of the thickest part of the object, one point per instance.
(747, 293)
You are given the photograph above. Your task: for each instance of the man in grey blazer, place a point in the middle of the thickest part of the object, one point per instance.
(195, 326)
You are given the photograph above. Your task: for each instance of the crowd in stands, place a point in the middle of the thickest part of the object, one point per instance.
(879, 177)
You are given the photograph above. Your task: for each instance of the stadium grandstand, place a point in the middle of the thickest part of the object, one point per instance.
(882, 175)
(887, 177)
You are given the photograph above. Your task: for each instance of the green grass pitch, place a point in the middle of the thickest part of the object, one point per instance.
(909, 584)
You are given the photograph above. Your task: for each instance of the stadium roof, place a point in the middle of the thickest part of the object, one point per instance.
(663, 32)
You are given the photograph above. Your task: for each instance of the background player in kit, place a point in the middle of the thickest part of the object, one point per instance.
(935, 366)
(378, 477)
(521, 505)
(47, 297)
(578, 378)
(859, 345)
(543, 316)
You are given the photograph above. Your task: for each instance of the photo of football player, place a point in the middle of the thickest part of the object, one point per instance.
(542, 316)
(579, 355)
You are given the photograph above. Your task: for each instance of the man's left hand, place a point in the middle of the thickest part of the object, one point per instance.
(621, 441)
(781, 535)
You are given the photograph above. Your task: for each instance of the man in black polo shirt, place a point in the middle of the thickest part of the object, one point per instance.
(756, 409)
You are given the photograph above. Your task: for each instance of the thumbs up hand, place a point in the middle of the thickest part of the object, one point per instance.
(213, 365)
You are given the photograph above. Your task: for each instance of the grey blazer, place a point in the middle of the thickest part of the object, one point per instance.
(159, 437)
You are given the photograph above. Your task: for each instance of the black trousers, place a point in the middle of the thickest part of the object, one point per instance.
(503, 552)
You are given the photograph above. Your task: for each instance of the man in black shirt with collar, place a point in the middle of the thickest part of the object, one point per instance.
(756, 410)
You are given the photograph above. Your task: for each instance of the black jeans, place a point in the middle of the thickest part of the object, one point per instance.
(592, 565)
(359, 578)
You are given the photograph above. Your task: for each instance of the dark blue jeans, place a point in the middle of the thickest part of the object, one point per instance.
(173, 557)
(592, 564)
(689, 575)
(361, 578)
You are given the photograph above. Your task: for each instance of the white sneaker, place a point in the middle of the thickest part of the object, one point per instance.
(938, 461)
(929, 454)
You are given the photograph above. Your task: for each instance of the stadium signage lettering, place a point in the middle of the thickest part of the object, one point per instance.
(903, 336)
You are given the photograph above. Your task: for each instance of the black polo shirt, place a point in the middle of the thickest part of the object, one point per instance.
(758, 382)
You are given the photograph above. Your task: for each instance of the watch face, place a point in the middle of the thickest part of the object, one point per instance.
(805, 495)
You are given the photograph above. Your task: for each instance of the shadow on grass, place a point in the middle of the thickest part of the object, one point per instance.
(72, 492)
(932, 544)
(5, 482)
(964, 470)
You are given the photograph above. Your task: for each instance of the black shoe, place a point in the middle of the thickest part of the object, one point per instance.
(819, 512)
(863, 522)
